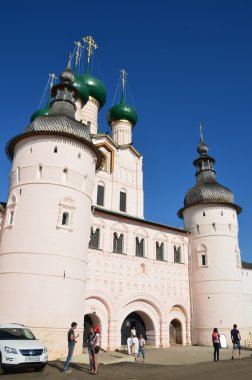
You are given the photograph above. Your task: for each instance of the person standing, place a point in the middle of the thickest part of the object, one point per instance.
(129, 344)
(216, 343)
(236, 340)
(91, 343)
(133, 331)
(135, 346)
(96, 348)
(141, 347)
(71, 338)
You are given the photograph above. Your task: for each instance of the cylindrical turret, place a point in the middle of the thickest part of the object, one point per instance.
(210, 216)
(46, 230)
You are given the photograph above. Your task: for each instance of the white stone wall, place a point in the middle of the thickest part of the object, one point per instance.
(118, 284)
(127, 175)
(247, 291)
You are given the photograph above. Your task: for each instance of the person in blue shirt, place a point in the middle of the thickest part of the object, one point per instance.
(236, 340)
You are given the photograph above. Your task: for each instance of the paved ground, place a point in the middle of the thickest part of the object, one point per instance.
(176, 355)
(175, 365)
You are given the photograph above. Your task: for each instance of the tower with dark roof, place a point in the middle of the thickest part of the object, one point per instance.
(210, 216)
(44, 241)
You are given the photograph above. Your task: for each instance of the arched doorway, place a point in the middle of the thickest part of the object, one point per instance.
(175, 330)
(89, 320)
(133, 320)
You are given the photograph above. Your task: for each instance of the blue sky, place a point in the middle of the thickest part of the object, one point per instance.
(188, 61)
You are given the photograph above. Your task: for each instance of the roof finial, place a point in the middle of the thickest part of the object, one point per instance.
(77, 54)
(52, 79)
(123, 78)
(67, 76)
(91, 46)
(201, 135)
(202, 148)
(69, 62)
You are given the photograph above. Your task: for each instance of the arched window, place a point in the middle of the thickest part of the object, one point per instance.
(177, 254)
(159, 251)
(122, 206)
(117, 243)
(55, 149)
(139, 247)
(65, 219)
(100, 195)
(94, 238)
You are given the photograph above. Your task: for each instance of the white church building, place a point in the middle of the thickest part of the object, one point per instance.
(75, 246)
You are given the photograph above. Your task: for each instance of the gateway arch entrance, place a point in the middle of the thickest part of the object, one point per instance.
(133, 320)
(175, 332)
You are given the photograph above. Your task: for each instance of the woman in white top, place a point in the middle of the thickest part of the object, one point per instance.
(96, 348)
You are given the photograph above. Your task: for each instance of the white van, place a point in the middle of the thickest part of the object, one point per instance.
(20, 348)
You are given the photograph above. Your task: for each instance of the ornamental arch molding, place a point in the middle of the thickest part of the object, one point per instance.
(179, 309)
(145, 299)
(105, 299)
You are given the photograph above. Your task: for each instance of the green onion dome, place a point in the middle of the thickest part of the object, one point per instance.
(82, 89)
(122, 111)
(95, 87)
(42, 112)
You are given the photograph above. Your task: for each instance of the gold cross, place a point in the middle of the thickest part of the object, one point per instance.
(77, 54)
(52, 78)
(91, 45)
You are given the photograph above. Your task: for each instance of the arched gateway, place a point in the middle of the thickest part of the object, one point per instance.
(132, 321)
(89, 320)
(175, 330)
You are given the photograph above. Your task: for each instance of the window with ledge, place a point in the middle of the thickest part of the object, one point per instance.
(202, 252)
(100, 195)
(139, 247)
(159, 251)
(94, 238)
(117, 243)
(123, 200)
(177, 255)
(66, 214)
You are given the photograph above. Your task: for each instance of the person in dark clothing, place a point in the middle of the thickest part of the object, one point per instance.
(216, 343)
(236, 338)
(71, 338)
